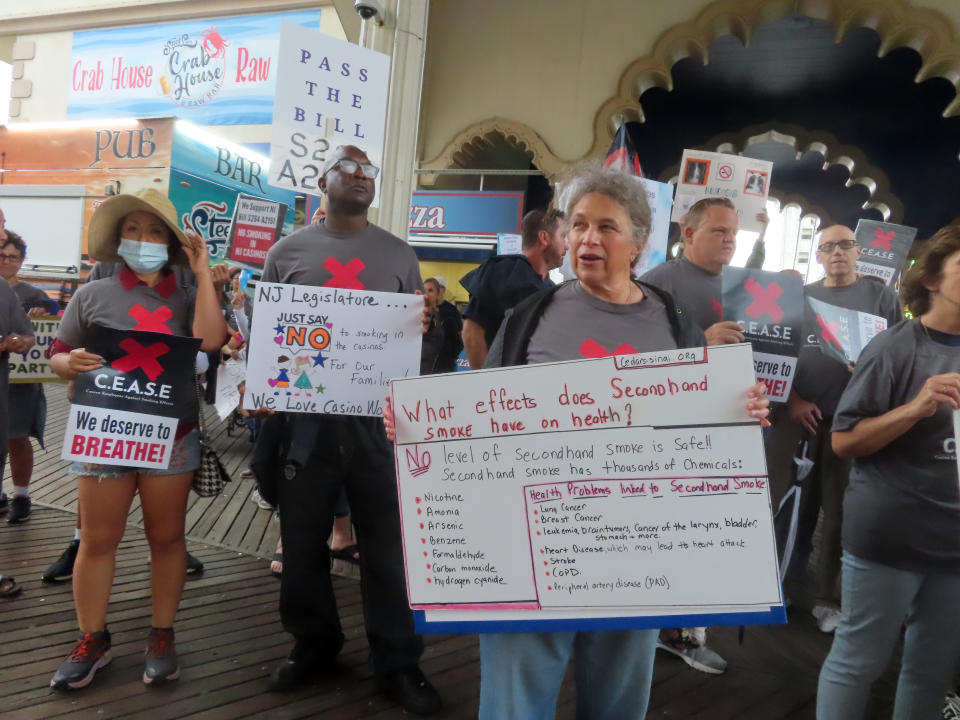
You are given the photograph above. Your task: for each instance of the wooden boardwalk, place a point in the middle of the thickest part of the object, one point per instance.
(229, 634)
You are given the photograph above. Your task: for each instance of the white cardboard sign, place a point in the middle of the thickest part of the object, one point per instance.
(229, 375)
(744, 181)
(329, 92)
(625, 486)
(329, 350)
(117, 437)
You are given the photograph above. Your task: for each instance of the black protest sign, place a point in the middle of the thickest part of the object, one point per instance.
(843, 333)
(885, 249)
(768, 307)
(255, 228)
(145, 372)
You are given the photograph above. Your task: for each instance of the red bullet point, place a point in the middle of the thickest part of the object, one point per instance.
(419, 511)
(417, 500)
(424, 553)
(549, 587)
(536, 512)
(538, 532)
(545, 562)
(421, 526)
(542, 551)
(536, 522)
(428, 566)
(547, 574)
(429, 580)
(423, 540)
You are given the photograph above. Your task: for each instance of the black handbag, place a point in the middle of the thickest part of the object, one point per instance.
(211, 477)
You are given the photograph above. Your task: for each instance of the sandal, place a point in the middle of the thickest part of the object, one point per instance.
(276, 565)
(350, 554)
(9, 587)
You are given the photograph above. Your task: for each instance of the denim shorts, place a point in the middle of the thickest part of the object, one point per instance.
(184, 458)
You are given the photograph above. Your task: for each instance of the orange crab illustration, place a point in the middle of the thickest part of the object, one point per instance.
(213, 44)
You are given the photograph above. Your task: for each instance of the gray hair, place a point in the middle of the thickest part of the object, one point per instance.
(626, 191)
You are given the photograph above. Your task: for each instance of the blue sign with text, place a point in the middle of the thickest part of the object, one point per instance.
(470, 213)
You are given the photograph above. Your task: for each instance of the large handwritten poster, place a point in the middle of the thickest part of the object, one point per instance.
(33, 366)
(329, 350)
(631, 488)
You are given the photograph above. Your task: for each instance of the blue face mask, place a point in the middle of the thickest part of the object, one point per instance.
(143, 257)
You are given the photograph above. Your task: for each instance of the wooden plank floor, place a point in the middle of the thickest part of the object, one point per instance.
(229, 634)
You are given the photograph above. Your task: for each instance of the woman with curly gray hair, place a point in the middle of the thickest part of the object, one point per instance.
(604, 311)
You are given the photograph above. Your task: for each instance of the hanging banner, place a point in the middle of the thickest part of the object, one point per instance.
(255, 228)
(622, 491)
(885, 249)
(768, 306)
(212, 71)
(127, 412)
(33, 366)
(660, 198)
(744, 181)
(843, 333)
(329, 92)
(329, 350)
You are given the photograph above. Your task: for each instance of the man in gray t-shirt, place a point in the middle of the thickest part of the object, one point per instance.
(694, 280)
(819, 383)
(330, 451)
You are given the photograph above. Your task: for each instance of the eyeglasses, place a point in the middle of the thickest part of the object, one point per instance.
(350, 167)
(10, 258)
(829, 247)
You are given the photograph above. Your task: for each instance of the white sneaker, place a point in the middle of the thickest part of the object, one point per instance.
(827, 617)
(248, 473)
(951, 707)
(255, 497)
(699, 657)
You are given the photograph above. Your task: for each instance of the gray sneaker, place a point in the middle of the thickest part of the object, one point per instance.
(91, 653)
(685, 647)
(160, 664)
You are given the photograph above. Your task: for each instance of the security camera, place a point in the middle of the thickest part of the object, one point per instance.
(368, 8)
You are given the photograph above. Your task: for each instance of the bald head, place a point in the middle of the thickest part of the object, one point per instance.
(838, 252)
(349, 192)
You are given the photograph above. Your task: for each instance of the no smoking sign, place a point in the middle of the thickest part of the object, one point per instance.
(725, 172)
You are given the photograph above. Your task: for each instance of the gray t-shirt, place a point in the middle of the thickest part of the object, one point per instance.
(13, 320)
(902, 506)
(697, 292)
(821, 379)
(577, 325)
(123, 302)
(368, 259)
(31, 296)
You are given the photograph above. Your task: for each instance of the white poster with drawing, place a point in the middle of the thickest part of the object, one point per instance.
(329, 92)
(628, 486)
(744, 181)
(329, 350)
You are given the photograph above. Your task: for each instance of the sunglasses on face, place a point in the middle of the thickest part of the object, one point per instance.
(829, 247)
(350, 167)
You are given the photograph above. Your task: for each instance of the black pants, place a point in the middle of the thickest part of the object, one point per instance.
(325, 452)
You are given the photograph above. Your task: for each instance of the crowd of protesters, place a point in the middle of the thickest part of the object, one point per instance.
(884, 491)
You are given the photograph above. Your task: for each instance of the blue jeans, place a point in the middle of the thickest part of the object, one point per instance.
(877, 600)
(521, 673)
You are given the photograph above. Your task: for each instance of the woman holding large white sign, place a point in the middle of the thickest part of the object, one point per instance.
(603, 312)
(901, 510)
(141, 230)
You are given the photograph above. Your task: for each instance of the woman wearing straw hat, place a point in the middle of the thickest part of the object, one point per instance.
(141, 231)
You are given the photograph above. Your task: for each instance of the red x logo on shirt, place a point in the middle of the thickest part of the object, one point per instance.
(764, 299)
(827, 330)
(590, 348)
(151, 321)
(716, 306)
(344, 276)
(141, 357)
(882, 238)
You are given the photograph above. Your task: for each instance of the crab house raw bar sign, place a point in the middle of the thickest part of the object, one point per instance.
(127, 411)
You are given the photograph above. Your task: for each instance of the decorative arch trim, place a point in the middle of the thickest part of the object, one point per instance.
(898, 23)
(518, 134)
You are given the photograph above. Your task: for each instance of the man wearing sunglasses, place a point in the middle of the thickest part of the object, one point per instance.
(819, 383)
(330, 451)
